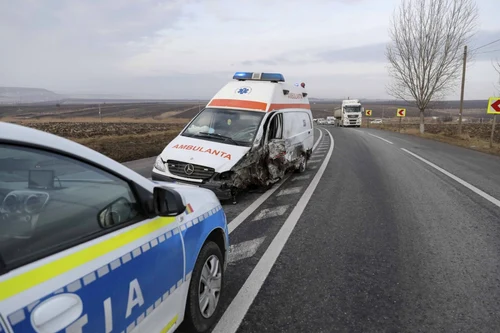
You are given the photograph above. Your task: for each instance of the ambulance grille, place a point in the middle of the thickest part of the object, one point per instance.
(183, 169)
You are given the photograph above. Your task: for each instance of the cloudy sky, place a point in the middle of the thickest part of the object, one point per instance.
(190, 48)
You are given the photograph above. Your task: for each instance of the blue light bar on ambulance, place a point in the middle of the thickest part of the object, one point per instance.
(242, 76)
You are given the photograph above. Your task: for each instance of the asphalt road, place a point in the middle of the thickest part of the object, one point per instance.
(383, 233)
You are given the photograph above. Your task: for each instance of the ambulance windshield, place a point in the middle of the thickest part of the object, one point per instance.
(236, 127)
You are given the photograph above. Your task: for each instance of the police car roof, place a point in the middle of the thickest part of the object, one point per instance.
(29, 136)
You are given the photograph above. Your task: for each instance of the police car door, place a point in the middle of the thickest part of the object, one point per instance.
(79, 255)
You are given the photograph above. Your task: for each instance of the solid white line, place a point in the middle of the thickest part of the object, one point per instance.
(231, 319)
(235, 223)
(271, 212)
(244, 249)
(459, 180)
(378, 137)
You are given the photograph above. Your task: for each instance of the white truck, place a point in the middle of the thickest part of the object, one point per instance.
(350, 113)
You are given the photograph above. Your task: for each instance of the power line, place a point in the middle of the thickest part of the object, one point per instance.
(480, 47)
(489, 51)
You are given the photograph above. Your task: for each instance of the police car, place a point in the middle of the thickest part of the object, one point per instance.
(88, 245)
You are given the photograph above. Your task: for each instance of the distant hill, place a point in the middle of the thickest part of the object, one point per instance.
(18, 95)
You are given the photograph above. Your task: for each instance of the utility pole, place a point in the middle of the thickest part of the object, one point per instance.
(100, 117)
(462, 92)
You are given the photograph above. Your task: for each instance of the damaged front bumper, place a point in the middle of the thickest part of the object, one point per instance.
(220, 188)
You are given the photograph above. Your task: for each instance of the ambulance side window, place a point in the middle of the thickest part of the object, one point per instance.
(50, 202)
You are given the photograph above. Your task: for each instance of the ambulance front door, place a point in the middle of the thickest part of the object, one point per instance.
(89, 260)
(277, 146)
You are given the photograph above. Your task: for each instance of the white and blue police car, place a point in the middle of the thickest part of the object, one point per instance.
(88, 245)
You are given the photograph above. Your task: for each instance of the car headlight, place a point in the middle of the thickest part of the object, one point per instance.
(160, 164)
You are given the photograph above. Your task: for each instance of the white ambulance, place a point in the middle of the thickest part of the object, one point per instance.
(255, 129)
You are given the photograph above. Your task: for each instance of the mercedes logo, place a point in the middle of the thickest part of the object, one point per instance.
(189, 169)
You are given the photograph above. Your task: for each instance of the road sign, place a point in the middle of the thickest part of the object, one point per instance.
(493, 105)
(368, 113)
(401, 113)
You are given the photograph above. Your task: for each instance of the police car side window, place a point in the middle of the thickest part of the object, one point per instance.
(49, 202)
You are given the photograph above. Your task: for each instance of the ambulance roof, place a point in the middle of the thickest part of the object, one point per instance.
(265, 93)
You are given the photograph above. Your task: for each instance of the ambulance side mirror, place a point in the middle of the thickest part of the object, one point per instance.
(167, 202)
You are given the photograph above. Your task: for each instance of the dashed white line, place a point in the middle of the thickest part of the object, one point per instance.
(457, 179)
(244, 250)
(378, 137)
(291, 190)
(253, 207)
(304, 177)
(235, 223)
(314, 161)
(234, 314)
(271, 212)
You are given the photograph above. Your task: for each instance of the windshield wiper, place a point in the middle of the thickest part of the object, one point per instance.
(217, 135)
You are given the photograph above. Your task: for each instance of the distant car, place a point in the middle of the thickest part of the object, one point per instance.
(376, 121)
(321, 121)
(330, 120)
(88, 245)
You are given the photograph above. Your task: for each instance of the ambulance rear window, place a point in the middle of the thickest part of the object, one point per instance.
(235, 127)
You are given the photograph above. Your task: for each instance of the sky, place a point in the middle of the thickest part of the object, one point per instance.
(191, 48)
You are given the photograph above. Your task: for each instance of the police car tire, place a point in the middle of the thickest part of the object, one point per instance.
(194, 320)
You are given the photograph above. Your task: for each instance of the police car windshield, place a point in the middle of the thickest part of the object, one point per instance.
(236, 127)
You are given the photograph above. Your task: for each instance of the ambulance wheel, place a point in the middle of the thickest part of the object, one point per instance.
(303, 164)
(203, 301)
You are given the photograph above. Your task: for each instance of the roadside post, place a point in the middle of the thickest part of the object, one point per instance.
(494, 109)
(368, 113)
(401, 113)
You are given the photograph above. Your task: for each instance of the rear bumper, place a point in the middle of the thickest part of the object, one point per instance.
(217, 188)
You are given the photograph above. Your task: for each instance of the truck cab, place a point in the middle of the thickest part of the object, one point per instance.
(349, 115)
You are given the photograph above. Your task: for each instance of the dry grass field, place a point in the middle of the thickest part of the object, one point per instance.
(129, 131)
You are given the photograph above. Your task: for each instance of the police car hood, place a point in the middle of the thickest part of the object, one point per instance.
(220, 156)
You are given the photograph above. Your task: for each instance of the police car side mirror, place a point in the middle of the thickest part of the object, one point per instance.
(167, 202)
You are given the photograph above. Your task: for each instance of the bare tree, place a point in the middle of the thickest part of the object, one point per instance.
(427, 37)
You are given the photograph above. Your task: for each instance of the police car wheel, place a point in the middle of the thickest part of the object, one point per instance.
(205, 289)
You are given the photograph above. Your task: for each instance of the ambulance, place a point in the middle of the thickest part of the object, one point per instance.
(253, 131)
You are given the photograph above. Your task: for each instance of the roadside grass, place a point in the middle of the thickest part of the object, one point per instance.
(163, 118)
(465, 140)
(130, 147)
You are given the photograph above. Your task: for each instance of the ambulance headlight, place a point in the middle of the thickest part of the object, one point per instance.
(159, 164)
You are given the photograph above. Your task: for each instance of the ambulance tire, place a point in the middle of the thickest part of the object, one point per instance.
(194, 321)
(303, 165)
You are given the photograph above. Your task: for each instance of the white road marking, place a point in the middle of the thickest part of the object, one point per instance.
(234, 314)
(314, 161)
(244, 250)
(378, 137)
(314, 167)
(291, 190)
(304, 177)
(271, 212)
(256, 204)
(457, 179)
(234, 223)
